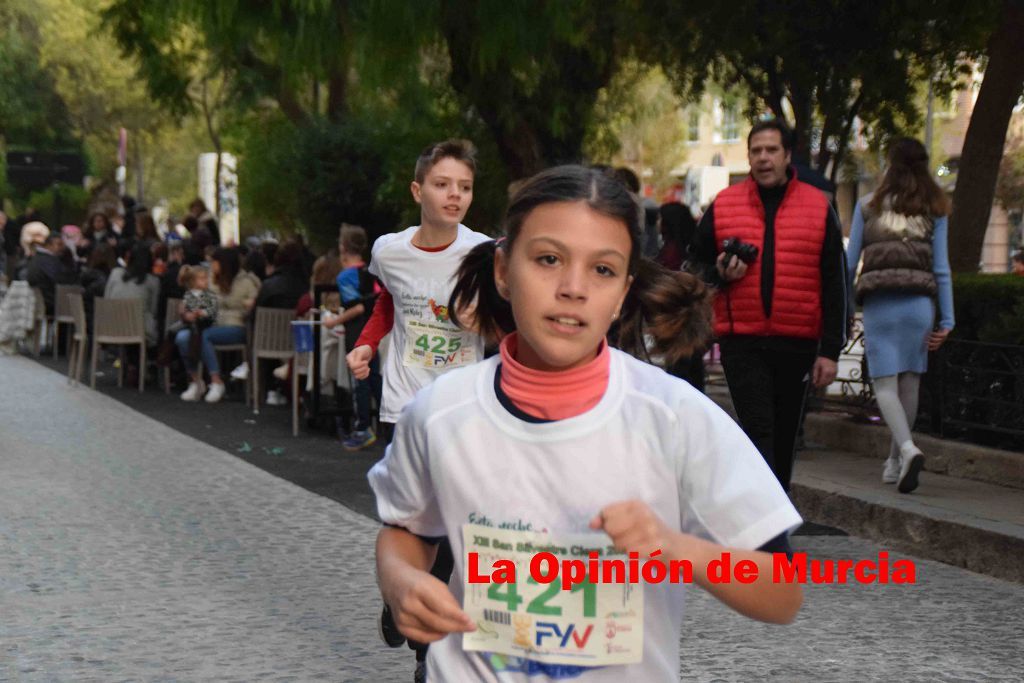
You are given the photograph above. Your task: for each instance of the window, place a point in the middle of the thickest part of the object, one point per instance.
(730, 123)
(693, 126)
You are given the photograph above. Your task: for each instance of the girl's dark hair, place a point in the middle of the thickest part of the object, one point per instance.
(230, 264)
(908, 183)
(145, 228)
(677, 224)
(103, 258)
(672, 307)
(89, 230)
(140, 262)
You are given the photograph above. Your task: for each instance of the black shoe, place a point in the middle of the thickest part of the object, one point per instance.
(389, 633)
(421, 673)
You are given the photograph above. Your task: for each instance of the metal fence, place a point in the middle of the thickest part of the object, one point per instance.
(975, 390)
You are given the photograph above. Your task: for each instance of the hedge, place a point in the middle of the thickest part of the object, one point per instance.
(989, 308)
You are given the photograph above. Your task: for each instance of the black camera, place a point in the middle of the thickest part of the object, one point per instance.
(741, 250)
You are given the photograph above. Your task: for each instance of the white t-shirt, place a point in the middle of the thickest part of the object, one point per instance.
(459, 455)
(424, 343)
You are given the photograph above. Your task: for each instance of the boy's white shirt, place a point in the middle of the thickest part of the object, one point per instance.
(458, 452)
(415, 277)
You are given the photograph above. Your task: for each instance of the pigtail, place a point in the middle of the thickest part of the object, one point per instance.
(476, 297)
(671, 307)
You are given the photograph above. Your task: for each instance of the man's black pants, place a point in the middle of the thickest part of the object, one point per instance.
(768, 389)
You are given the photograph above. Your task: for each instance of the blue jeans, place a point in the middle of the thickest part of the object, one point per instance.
(362, 392)
(222, 334)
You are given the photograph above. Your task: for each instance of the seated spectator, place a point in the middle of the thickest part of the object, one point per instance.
(98, 230)
(145, 228)
(33, 235)
(288, 282)
(135, 281)
(45, 270)
(205, 222)
(236, 293)
(282, 289)
(93, 277)
(256, 263)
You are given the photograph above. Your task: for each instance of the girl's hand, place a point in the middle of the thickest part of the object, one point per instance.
(190, 316)
(425, 610)
(936, 339)
(632, 525)
(359, 361)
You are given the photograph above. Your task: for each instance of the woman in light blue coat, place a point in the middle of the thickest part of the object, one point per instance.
(900, 231)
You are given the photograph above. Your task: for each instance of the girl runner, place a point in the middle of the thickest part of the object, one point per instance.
(561, 436)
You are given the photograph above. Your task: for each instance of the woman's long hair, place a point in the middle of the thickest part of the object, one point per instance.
(140, 262)
(672, 308)
(230, 263)
(908, 187)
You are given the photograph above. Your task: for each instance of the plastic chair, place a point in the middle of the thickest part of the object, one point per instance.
(119, 321)
(39, 321)
(170, 317)
(79, 336)
(271, 338)
(62, 311)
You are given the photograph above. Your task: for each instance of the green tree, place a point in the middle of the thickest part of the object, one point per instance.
(638, 122)
(32, 113)
(819, 65)
(986, 136)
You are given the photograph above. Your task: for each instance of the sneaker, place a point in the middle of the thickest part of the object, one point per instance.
(359, 440)
(194, 391)
(215, 393)
(913, 463)
(389, 633)
(241, 373)
(281, 372)
(276, 398)
(891, 472)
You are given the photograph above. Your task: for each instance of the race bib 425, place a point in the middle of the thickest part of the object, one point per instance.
(437, 346)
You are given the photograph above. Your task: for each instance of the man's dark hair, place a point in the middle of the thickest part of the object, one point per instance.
(1019, 257)
(460, 150)
(627, 177)
(773, 124)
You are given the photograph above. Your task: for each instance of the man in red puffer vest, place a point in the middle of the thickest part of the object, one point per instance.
(780, 319)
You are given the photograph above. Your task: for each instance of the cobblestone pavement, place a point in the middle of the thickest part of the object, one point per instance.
(130, 552)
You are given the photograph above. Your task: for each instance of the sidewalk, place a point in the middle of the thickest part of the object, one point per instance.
(968, 510)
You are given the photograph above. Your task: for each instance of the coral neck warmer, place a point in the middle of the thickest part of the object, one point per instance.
(553, 395)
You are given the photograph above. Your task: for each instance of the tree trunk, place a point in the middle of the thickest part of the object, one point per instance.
(986, 136)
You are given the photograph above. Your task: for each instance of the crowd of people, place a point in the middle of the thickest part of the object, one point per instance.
(125, 256)
(518, 364)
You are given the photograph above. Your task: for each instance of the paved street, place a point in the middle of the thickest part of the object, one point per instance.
(129, 551)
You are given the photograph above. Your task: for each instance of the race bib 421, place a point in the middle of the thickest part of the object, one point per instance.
(528, 616)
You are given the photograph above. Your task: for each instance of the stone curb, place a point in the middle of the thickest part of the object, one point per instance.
(980, 550)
